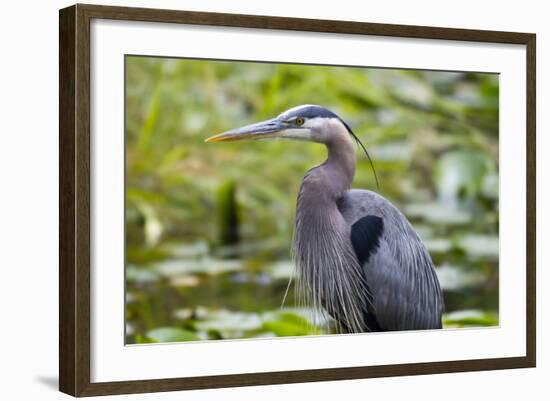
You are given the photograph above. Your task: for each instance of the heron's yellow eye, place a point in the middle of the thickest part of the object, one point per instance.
(300, 121)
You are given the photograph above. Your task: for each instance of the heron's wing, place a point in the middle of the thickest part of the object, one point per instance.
(398, 270)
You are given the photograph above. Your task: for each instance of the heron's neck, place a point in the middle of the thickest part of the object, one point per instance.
(325, 183)
(340, 163)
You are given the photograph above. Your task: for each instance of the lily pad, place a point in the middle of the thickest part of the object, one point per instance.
(282, 270)
(175, 267)
(480, 246)
(438, 245)
(455, 277)
(438, 213)
(141, 275)
(193, 250)
(289, 324)
(470, 318)
(186, 280)
(171, 334)
(227, 321)
(461, 174)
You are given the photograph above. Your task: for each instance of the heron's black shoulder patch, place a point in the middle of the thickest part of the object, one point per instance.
(365, 236)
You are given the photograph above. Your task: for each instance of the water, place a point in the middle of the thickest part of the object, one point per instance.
(197, 296)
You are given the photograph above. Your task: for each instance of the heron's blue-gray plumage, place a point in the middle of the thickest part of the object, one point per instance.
(357, 256)
(400, 275)
(360, 259)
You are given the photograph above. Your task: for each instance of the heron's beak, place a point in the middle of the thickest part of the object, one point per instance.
(263, 130)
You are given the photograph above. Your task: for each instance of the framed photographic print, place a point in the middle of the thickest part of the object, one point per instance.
(250, 200)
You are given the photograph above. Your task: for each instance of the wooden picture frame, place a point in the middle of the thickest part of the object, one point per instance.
(75, 207)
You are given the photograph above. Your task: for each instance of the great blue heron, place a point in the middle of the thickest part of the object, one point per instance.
(357, 256)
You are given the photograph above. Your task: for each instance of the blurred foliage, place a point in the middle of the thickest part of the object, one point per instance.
(209, 226)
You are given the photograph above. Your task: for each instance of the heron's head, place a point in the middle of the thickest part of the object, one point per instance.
(307, 123)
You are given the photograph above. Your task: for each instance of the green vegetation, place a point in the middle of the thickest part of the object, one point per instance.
(209, 226)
